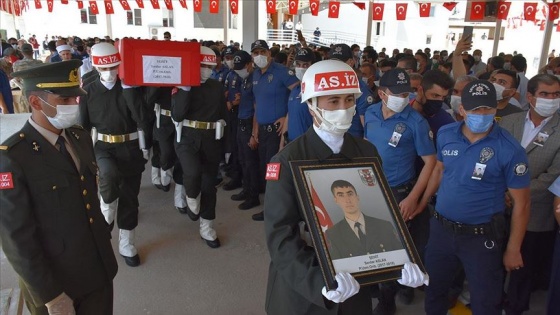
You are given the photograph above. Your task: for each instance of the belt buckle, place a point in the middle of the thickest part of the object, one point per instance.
(269, 128)
(243, 128)
(116, 138)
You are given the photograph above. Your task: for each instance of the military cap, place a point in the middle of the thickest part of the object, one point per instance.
(59, 78)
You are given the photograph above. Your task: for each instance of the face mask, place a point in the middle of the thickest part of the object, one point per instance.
(261, 61)
(66, 115)
(396, 104)
(412, 95)
(205, 74)
(499, 91)
(108, 76)
(356, 54)
(546, 107)
(477, 58)
(507, 66)
(229, 64)
(14, 46)
(478, 123)
(336, 122)
(243, 73)
(300, 72)
(431, 107)
(455, 102)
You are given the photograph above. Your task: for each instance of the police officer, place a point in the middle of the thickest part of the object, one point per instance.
(554, 288)
(201, 111)
(51, 227)
(401, 134)
(272, 83)
(116, 112)
(468, 226)
(295, 282)
(220, 72)
(242, 88)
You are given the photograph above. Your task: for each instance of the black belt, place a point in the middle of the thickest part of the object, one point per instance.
(269, 127)
(404, 188)
(463, 229)
(245, 122)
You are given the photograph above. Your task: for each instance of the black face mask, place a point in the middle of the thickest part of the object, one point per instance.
(431, 107)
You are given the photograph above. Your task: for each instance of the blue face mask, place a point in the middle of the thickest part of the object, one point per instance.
(478, 123)
(411, 96)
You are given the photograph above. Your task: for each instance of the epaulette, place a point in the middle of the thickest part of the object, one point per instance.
(12, 141)
(78, 127)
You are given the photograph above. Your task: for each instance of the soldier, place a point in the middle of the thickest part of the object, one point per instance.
(51, 227)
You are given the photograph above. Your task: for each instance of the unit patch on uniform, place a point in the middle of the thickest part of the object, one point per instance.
(370, 99)
(6, 181)
(521, 169)
(272, 171)
(291, 72)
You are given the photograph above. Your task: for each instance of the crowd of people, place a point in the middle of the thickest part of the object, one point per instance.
(470, 150)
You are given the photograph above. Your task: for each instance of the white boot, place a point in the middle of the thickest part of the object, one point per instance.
(156, 180)
(207, 231)
(180, 196)
(194, 204)
(109, 210)
(166, 176)
(127, 248)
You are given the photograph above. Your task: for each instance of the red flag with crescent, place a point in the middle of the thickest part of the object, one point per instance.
(140, 3)
(270, 6)
(234, 6)
(293, 6)
(314, 6)
(449, 5)
(378, 9)
(168, 4)
(93, 7)
(125, 5)
(530, 9)
(401, 11)
(322, 214)
(477, 10)
(109, 7)
(503, 10)
(334, 7)
(183, 3)
(38, 4)
(80, 4)
(553, 10)
(197, 5)
(155, 4)
(214, 6)
(425, 9)
(360, 5)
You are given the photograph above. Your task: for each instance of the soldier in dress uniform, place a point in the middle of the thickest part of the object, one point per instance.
(51, 227)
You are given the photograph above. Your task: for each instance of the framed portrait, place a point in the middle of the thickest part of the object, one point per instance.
(353, 219)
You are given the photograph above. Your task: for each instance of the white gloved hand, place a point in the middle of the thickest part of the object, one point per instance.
(146, 154)
(125, 86)
(184, 88)
(412, 276)
(61, 305)
(347, 287)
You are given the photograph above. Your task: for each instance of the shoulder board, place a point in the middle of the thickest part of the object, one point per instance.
(12, 141)
(77, 127)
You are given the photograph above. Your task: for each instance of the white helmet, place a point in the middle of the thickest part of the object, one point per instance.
(105, 55)
(329, 77)
(207, 56)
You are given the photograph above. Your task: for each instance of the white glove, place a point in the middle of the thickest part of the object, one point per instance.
(347, 287)
(184, 88)
(61, 305)
(412, 276)
(146, 154)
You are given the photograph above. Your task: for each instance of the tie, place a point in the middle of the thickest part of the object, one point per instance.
(60, 141)
(361, 235)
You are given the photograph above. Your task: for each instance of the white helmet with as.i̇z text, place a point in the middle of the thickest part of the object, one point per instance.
(105, 55)
(207, 56)
(329, 77)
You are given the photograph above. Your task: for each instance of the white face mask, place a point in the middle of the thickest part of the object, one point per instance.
(66, 115)
(455, 102)
(507, 65)
(365, 80)
(109, 76)
(547, 107)
(477, 58)
(335, 122)
(396, 104)
(243, 73)
(499, 91)
(205, 74)
(229, 64)
(300, 72)
(261, 61)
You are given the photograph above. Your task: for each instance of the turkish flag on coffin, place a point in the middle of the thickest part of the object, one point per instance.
(378, 9)
(334, 7)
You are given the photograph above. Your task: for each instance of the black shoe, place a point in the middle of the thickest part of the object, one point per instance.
(182, 210)
(132, 261)
(249, 204)
(234, 184)
(240, 196)
(192, 215)
(165, 188)
(212, 244)
(406, 295)
(385, 308)
(258, 216)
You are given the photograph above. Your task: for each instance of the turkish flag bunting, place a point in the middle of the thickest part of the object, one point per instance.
(558, 27)
(17, 9)
(109, 7)
(183, 3)
(64, 1)
(168, 4)
(553, 9)
(314, 6)
(294, 6)
(401, 11)
(477, 10)
(197, 5)
(450, 5)
(140, 3)
(155, 4)
(360, 5)
(378, 9)
(530, 10)
(214, 6)
(49, 4)
(334, 7)
(503, 10)
(425, 9)
(125, 5)
(234, 6)
(270, 6)
(93, 7)
(38, 4)
(324, 219)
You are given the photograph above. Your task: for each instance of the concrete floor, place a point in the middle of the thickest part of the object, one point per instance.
(179, 274)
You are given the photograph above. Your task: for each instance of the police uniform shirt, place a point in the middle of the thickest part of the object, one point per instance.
(221, 74)
(271, 92)
(440, 119)
(504, 165)
(399, 159)
(362, 104)
(299, 118)
(247, 104)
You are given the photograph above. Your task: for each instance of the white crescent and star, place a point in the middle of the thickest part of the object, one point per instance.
(400, 8)
(334, 7)
(292, 4)
(503, 8)
(313, 6)
(270, 4)
(213, 4)
(377, 10)
(423, 6)
(196, 3)
(554, 8)
(109, 6)
(477, 7)
(233, 5)
(530, 10)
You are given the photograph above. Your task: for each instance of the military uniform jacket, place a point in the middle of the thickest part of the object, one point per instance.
(295, 280)
(51, 227)
(162, 96)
